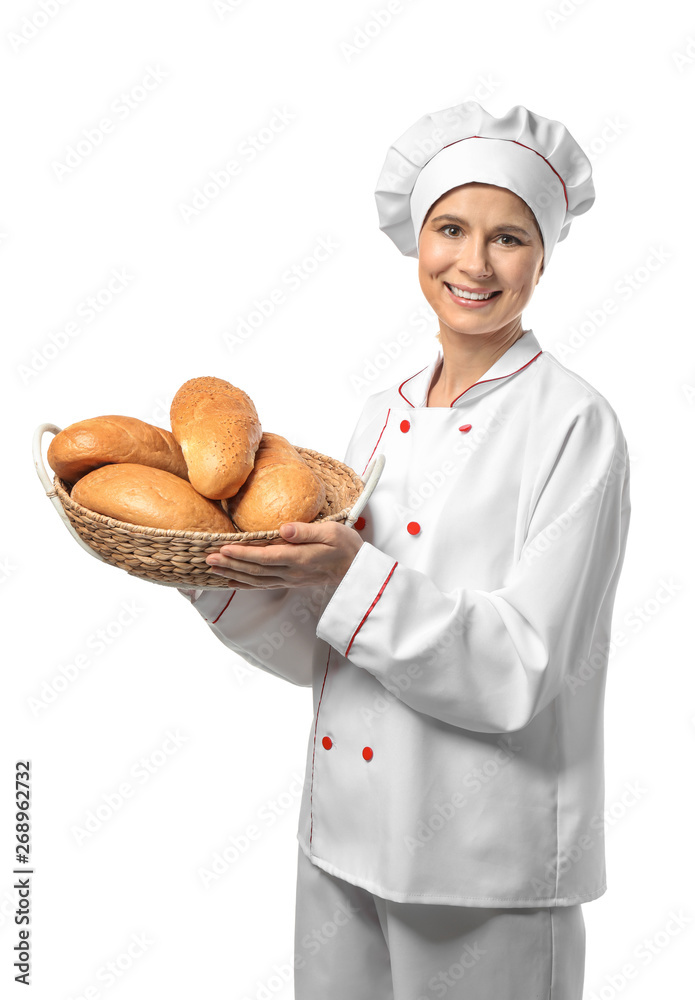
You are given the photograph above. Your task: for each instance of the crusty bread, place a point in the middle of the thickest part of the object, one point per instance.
(151, 497)
(281, 487)
(89, 444)
(218, 429)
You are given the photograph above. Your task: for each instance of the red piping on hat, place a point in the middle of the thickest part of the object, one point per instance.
(380, 437)
(567, 204)
(318, 709)
(497, 378)
(371, 608)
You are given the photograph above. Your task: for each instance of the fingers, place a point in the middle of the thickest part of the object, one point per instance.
(251, 568)
(245, 581)
(318, 532)
(251, 573)
(297, 532)
(323, 554)
(285, 555)
(263, 555)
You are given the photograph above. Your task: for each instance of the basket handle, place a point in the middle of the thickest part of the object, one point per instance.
(42, 473)
(370, 479)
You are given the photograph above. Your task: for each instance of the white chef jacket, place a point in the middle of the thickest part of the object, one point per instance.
(458, 669)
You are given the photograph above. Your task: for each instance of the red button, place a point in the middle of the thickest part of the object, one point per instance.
(360, 523)
(367, 753)
(327, 742)
(413, 528)
(465, 428)
(405, 425)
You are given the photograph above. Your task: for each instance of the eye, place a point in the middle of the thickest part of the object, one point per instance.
(502, 236)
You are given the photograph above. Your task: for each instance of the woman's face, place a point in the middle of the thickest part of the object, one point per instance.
(483, 238)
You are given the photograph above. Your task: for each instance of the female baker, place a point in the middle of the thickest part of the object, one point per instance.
(451, 823)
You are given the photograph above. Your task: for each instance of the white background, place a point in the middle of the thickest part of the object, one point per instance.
(623, 83)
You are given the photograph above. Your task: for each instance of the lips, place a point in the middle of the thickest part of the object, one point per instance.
(474, 291)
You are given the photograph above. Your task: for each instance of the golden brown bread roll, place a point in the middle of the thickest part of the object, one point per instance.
(151, 497)
(89, 444)
(281, 488)
(218, 429)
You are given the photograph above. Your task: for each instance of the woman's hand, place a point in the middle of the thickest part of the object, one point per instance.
(315, 554)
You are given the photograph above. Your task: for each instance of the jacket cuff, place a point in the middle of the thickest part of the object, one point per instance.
(355, 597)
(209, 603)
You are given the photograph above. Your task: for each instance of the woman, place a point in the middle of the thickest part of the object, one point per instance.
(452, 818)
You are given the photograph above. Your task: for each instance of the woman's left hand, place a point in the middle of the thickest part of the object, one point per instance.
(314, 554)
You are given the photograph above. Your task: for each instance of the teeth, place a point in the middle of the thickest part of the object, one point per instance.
(469, 295)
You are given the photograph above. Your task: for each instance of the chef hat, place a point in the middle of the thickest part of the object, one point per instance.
(534, 157)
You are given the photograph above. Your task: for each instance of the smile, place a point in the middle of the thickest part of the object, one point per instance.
(474, 296)
(471, 300)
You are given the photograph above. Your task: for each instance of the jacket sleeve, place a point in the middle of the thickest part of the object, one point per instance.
(274, 630)
(489, 661)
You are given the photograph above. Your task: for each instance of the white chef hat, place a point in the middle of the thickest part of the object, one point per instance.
(534, 157)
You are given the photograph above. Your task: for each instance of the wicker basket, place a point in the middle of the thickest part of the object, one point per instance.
(177, 558)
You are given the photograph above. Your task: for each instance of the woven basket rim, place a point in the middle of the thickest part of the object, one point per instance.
(61, 488)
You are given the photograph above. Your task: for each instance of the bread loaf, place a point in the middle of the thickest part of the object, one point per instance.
(218, 429)
(89, 444)
(280, 488)
(151, 497)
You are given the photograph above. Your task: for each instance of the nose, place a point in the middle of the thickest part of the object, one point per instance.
(472, 257)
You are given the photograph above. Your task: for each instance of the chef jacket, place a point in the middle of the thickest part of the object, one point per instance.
(458, 669)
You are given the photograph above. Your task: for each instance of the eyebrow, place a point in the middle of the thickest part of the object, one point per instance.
(508, 227)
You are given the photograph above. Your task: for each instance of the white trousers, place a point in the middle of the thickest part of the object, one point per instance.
(353, 945)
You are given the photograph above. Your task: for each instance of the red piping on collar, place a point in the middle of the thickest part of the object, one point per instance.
(564, 189)
(408, 380)
(496, 379)
(458, 397)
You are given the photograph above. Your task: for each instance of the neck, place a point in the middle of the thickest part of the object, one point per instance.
(465, 357)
